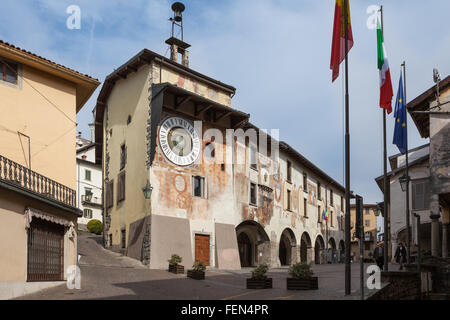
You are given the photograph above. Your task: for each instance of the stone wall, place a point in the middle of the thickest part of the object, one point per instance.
(401, 286)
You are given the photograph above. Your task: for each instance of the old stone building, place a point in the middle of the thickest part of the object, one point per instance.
(162, 130)
(431, 114)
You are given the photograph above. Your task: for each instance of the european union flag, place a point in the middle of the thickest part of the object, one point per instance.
(400, 120)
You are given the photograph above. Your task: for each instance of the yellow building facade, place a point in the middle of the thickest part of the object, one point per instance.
(39, 103)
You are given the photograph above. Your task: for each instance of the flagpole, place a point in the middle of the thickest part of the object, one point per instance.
(347, 162)
(408, 230)
(385, 211)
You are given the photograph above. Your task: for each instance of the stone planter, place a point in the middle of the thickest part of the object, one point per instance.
(310, 283)
(265, 283)
(176, 268)
(197, 275)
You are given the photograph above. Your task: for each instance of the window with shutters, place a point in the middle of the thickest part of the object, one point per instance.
(421, 194)
(109, 194)
(123, 156)
(121, 187)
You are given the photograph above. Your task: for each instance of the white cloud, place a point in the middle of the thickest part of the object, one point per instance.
(276, 53)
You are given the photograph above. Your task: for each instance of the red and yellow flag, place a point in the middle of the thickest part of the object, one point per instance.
(338, 43)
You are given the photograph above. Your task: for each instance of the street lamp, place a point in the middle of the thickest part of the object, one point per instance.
(404, 179)
(147, 189)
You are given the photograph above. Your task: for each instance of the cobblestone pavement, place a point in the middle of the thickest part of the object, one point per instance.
(108, 275)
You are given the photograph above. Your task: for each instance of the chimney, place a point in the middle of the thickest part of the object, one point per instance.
(178, 46)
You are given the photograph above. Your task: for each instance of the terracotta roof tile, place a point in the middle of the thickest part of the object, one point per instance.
(11, 46)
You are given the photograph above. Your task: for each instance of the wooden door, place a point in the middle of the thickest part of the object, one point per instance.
(202, 248)
(245, 250)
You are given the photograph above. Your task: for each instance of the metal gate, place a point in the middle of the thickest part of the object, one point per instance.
(45, 251)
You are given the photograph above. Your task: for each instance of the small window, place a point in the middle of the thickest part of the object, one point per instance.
(305, 207)
(109, 194)
(367, 211)
(253, 160)
(331, 219)
(367, 223)
(9, 71)
(420, 195)
(123, 156)
(367, 246)
(198, 187)
(305, 182)
(289, 171)
(331, 198)
(129, 120)
(253, 194)
(123, 238)
(87, 175)
(121, 187)
(87, 213)
(342, 203)
(210, 150)
(289, 200)
(319, 214)
(319, 191)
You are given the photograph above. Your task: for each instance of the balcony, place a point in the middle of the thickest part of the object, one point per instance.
(20, 178)
(89, 199)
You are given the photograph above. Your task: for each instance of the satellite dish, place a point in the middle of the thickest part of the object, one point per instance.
(436, 76)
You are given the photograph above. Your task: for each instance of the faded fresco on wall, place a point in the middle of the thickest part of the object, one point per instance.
(312, 194)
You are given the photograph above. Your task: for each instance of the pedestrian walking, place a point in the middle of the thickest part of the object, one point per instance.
(400, 255)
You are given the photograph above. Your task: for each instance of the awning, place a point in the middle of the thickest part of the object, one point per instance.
(31, 212)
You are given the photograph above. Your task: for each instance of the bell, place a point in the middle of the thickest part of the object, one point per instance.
(178, 8)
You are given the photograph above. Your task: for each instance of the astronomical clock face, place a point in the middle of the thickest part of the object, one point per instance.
(179, 141)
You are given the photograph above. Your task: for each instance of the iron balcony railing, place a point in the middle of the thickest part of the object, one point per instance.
(17, 175)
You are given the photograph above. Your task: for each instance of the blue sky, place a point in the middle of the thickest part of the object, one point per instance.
(276, 53)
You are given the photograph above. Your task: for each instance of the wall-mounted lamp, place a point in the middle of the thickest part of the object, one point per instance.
(404, 182)
(147, 189)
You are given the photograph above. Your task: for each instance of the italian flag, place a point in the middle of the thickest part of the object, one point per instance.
(386, 92)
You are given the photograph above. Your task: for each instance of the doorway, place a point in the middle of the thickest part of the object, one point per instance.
(202, 248)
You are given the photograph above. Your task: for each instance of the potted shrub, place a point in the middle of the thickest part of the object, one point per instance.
(259, 280)
(301, 277)
(198, 271)
(174, 264)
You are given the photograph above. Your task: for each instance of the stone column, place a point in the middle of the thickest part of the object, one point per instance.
(174, 52)
(394, 244)
(434, 215)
